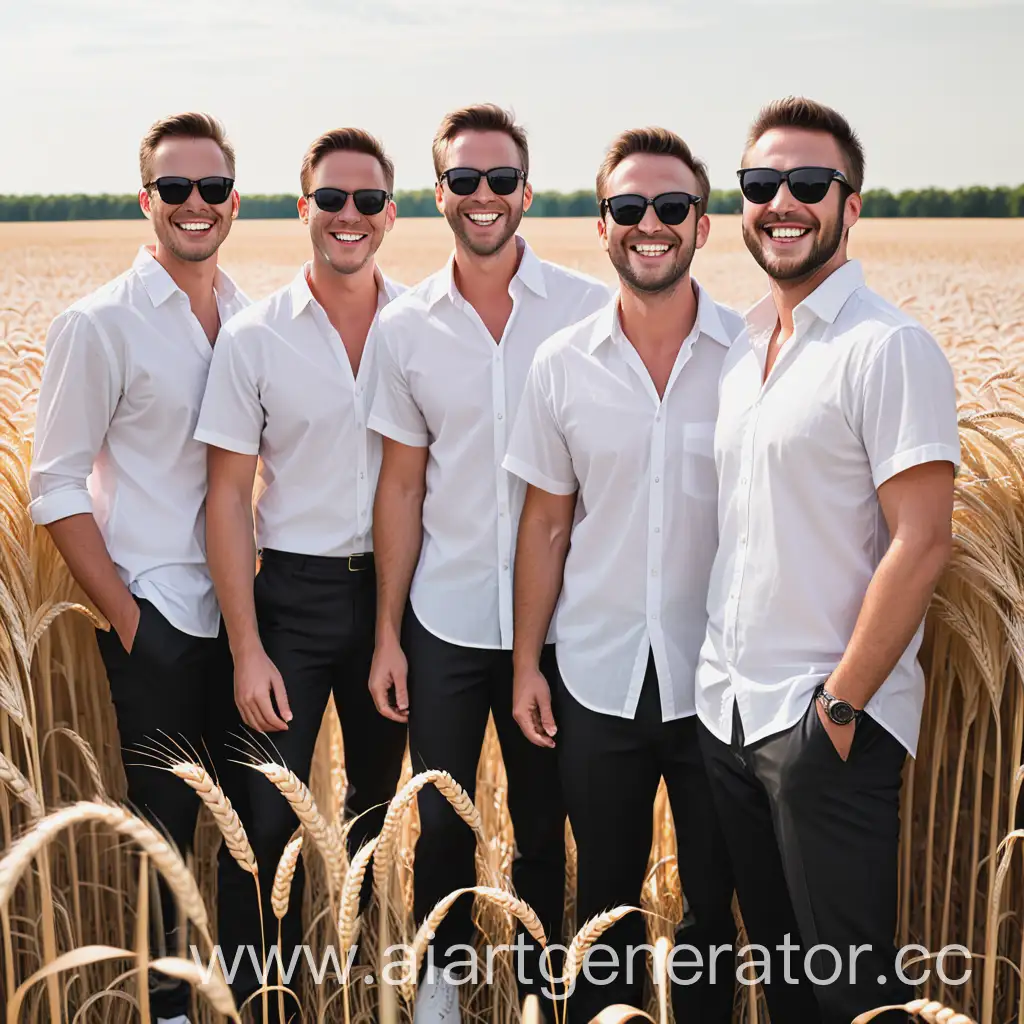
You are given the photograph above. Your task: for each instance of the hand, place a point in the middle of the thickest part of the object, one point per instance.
(388, 671)
(531, 707)
(128, 625)
(256, 678)
(840, 735)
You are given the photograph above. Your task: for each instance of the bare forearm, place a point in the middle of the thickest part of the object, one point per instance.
(81, 545)
(231, 553)
(397, 539)
(894, 606)
(541, 548)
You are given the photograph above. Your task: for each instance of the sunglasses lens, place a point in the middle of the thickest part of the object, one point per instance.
(330, 200)
(215, 190)
(626, 210)
(672, 207)
(760, 185)
(174, 191)
(370, 201)
(810, 184)
(503, 180)
(463, 181)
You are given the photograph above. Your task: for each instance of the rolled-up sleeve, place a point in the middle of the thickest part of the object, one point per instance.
(537, 452)
(80, 389)
(909, 406)
(232, 415)
(395, 413)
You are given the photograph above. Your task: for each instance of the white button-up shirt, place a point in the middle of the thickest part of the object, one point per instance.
(281, 386)
(122, 385)
(636, 575)
(445, 384)
(859, 393)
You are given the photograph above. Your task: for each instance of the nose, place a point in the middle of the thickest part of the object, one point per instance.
(649, 223)
(483, 191)
(348, 213)
(783, 201)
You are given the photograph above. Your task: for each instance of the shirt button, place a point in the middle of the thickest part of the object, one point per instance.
(743, 481)
(657, 479)
(505, 566)
(654, 572)
(501, 415)
(657, 529)
(654, 616)
(362, 476)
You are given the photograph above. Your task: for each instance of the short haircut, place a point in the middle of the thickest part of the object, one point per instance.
(190, 125)
(800, 112)
(481, 117)
(345, 140)
(661, 142)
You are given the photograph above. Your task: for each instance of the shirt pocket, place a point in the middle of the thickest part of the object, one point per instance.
(699, 476)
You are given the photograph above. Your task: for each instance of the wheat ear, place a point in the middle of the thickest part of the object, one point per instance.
(350, 894)
(20, 787)
(587, 936)
(926, 1009)
(281, 891)
(499, 897)
(163, 855)
(226, 817)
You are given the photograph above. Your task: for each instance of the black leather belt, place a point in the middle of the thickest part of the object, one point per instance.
(326, 564)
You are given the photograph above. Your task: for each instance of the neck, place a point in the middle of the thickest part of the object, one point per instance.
(661, 320)
(789, 294)
(485, 277)
(336, 291)
(196, 280)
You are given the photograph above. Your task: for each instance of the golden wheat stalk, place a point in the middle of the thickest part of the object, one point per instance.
(281, 892)
(350, 895)
(198, 779)
(927, 1009)
(591, 931)
(166, 859)
(12, 777)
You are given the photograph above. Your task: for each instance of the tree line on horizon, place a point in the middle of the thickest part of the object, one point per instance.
(975, 201)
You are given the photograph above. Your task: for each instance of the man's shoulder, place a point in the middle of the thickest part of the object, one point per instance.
(261, 315)
(412, 301)
(114, 296)
(573, 338)
(571, 281)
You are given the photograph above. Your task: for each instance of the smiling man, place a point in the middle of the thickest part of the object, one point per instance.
(454, 354)
(120, 484)
(289, 393)
(619, 411)
(836, 447)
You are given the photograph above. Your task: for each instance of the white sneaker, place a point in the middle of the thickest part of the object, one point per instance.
(180, 1019)
(437, 1000)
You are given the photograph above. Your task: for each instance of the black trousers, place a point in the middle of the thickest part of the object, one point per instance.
(814, 842)
(451, 691)
(316, 619)
(611, 768)
(177, 691)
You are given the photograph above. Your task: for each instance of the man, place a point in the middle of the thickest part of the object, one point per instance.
(455, 352)
(122, 384)
(619, 410)
(289, 390)
(836, 448)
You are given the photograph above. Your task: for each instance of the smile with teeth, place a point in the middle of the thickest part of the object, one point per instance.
(651, 249)
(347, 237)
(195, 225)
(787, 232)
(483, 219)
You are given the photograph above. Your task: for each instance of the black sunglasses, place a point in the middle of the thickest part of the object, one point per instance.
(464, 181)
(369, 201)
(174, 190)
(671, 207)
(807, 185)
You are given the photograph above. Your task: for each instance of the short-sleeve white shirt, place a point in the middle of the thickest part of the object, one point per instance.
(859, 393)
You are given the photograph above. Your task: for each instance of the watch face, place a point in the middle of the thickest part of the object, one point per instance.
(840, 712)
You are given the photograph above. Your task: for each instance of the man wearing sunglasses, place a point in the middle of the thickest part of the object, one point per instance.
(289, 393)
(120, 484)
(454, 354)
(836, 448)
(619, 410)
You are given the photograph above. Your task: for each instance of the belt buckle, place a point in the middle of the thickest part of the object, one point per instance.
(357, 569)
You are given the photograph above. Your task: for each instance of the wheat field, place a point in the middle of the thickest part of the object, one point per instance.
(76, 867)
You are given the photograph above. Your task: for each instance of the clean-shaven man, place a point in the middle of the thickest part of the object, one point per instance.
(836, 448)
(619, 412)
(120, 483)
(289, 393)
(454, 355)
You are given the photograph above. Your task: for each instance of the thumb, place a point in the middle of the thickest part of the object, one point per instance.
(547, 717)
(280, 695)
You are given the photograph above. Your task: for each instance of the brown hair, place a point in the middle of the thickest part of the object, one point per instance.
(190, 125)
(800, 112)
(345, 140)
(481, 117)
(652, 140)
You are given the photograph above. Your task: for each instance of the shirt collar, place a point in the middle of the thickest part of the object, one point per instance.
(825, 302)
(530, 272)
(609, 325)
(302, 295)
(160, 285)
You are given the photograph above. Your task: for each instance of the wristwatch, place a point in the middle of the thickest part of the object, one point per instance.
(839, 711)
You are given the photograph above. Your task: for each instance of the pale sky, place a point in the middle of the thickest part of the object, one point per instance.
(934, 87)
